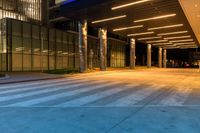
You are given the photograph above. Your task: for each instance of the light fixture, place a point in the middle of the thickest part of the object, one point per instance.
(148, 38)
(185, 43)
(108, 19)
(172, 33)
(188, 47)
(162, 43)
(138, 34)
(178, 37)
(186, 40)
(166, 27)
(157, 41)
(129, 4)
(154, 18)
(126, 28)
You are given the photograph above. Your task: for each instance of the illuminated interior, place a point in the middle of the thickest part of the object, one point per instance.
(26, 10)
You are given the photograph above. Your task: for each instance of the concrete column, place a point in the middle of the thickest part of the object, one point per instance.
(83, 46)
(132, 54)
(160, 57)
(148, 55)
(165, 58)
(103, 49)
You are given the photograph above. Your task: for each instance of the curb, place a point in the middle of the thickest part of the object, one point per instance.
(13, 82)
(6, 77)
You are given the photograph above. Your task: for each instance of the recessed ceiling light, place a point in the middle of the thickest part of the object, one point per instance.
(186, 40)
(149, 38)
(172, 33)
(178, 37)
(157, 41)
(129, 4)
(185, 43)
(108, 19)
(154, 18)
(166, 27)
(126, 28)
(162, 43)
(143, 33)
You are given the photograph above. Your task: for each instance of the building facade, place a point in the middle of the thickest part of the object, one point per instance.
(26, 46)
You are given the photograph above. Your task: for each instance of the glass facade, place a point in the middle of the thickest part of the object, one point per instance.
(26, 10)
(116, 53)
(29, 47)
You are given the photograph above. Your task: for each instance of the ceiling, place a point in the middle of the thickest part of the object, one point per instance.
(191, 9)
(102, 9)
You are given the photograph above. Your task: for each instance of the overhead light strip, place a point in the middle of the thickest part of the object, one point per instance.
(162, 44)
(185, 43)
(187, 40)
(148, 38)
(138, 34)
(178, 37)
(129, 4)
(155, 18)
(172, 33)
(157, 41)
(188, 45)
(109, 19)
(166, 27)
(126, 28)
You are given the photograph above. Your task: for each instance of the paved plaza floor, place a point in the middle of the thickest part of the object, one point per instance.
(122, 101)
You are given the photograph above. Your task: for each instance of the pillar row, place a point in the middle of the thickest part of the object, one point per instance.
(148, 55)
(160, 57)
(83, 45)
(103, 49)
(132, 54)
(165, 58)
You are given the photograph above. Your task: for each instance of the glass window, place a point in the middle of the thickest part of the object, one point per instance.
(27, 54)
(26, 30)
(16, 28)
(17, 50)
(35, 32)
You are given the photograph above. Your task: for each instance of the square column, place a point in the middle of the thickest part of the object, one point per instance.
(83, 45)
(132, 54)
(160, 57)
(103, 49)
(148, 55)
(165, 58)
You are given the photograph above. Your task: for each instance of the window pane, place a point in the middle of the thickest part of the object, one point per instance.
(16, 28)
(26, 30)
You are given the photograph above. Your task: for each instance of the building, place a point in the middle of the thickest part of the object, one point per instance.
(25, 10)
(37, 35)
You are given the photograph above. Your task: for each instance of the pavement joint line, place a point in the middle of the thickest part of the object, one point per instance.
(134, 112)
(136, 106)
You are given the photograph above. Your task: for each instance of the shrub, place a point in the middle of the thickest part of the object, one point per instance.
(62, 71)
(1, 75)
